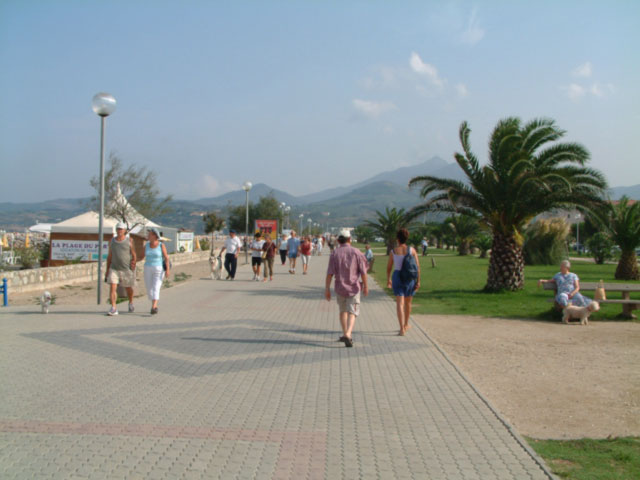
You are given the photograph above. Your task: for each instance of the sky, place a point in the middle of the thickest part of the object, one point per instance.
(303, 95)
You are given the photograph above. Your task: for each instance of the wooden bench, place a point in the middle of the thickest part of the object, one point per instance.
(628, 305)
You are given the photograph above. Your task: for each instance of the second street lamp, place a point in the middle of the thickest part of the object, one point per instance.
(246, 187)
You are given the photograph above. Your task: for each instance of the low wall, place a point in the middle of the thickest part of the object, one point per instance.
(20, 281)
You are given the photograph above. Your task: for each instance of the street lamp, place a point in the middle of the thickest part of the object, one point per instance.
(103, 104)
(287, 210)
(301, 216)
(246, 187)
(283, 207)
(309, 225)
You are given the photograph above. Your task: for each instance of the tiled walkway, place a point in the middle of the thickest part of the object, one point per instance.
(240, 380)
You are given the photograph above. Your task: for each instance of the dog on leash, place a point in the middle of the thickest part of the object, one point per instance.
(45, 301)
(581, 313)
(216, 267)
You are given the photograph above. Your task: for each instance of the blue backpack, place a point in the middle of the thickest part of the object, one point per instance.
(409, 270)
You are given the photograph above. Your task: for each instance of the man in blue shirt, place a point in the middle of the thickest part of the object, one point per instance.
(292, 251)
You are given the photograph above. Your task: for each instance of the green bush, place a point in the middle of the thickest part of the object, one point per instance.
(546, 242)
(601, 246)
(29, 256)
(204, 245)
(483, 243)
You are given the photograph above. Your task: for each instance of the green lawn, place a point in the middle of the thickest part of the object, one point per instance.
(454, 286)
(585, 459)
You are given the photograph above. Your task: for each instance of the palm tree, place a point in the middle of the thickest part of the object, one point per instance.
(525, 176)
(387, 224)
(625, 232)
(465, 229)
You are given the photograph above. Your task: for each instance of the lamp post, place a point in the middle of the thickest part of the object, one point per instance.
(301, 216)
(246, 187)
(103, 104)
(287, 210)
(283, 207)
(578, 217)
(309, 223)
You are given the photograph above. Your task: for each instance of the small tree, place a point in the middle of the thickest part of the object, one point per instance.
(363, 234)
(465, 228)
(212, 223)
(128, 190)
(388, 223)
(483, 243)
(600, 245)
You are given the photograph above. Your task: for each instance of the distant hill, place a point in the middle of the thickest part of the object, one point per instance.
(632, 192)
(238, 197)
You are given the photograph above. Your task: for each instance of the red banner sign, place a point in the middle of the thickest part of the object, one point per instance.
(267, 226)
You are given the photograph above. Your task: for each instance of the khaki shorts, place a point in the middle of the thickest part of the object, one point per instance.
(126, 278)
(350, 305)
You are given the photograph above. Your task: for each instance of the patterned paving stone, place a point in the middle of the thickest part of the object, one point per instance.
(240, 380)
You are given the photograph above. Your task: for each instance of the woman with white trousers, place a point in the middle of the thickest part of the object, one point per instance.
(154, 254)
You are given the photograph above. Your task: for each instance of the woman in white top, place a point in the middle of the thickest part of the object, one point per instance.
(404, 291)
(256, 255)
(282, 248)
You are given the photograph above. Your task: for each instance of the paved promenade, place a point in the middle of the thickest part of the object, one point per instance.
(240, 380)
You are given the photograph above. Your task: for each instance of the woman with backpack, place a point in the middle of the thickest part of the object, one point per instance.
(405, 281)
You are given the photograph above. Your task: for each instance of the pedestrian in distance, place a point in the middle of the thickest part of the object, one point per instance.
(268, 257)
(156, 267)
(305, 253)
(121, 267)
(349, 267)
(293, 247)
(320, 245)
(425, 246)
(256, 255)
(282, 248)
(402, 289)
(232, 245)
(368, 254)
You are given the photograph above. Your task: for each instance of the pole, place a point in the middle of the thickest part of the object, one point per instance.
(246, 234)
(101, 217)
(5, 300)
(578, 235)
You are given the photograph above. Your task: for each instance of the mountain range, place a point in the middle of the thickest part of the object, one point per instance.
(345, 205)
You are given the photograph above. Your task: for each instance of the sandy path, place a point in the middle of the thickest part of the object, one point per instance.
(549, 380)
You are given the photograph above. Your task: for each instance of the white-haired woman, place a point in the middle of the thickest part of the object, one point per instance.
(154, 254)
(567, 287)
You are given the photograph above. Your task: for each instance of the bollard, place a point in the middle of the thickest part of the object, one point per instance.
(5, 300)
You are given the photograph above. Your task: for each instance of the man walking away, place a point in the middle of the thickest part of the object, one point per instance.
(232, 245)
(121, 264)
(292, 251)
(425, 246)
(348, 265)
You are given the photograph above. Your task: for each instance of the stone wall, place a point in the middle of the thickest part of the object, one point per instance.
(20, 281)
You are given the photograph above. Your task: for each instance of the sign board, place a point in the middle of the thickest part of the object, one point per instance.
(185, 236)
(267, 226)
(85, 250)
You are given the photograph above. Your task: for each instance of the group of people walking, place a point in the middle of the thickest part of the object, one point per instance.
(348, 266)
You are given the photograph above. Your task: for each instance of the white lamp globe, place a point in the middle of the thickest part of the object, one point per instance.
(247, 186)
(103, 104)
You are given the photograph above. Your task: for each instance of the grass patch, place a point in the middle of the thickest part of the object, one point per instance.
(587, 459)
(455, 287)
(181, 277)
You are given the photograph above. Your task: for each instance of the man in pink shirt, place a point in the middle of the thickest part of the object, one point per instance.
(348, 265)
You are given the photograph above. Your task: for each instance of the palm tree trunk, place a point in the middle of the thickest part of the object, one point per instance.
(506, 265)
(627, 268)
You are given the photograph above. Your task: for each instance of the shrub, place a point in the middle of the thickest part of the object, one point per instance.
(483, 243)
(546, 242)
(204, 244)
(29, 257)
(601, 246)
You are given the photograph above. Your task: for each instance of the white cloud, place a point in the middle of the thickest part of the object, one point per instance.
(583, 70)
(461, 88)
(596, 90)
(575, 92)
(426, 69)
(208, 186)
(473, 33)
(372, 109)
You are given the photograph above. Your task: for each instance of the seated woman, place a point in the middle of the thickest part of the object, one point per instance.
(567, 287)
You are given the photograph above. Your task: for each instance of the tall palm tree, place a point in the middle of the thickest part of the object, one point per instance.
(387, 224)
(625, 232)
(525, 176)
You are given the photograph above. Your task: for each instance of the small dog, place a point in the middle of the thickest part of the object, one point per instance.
(581, 313)
(45, 301)
(216, 267)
